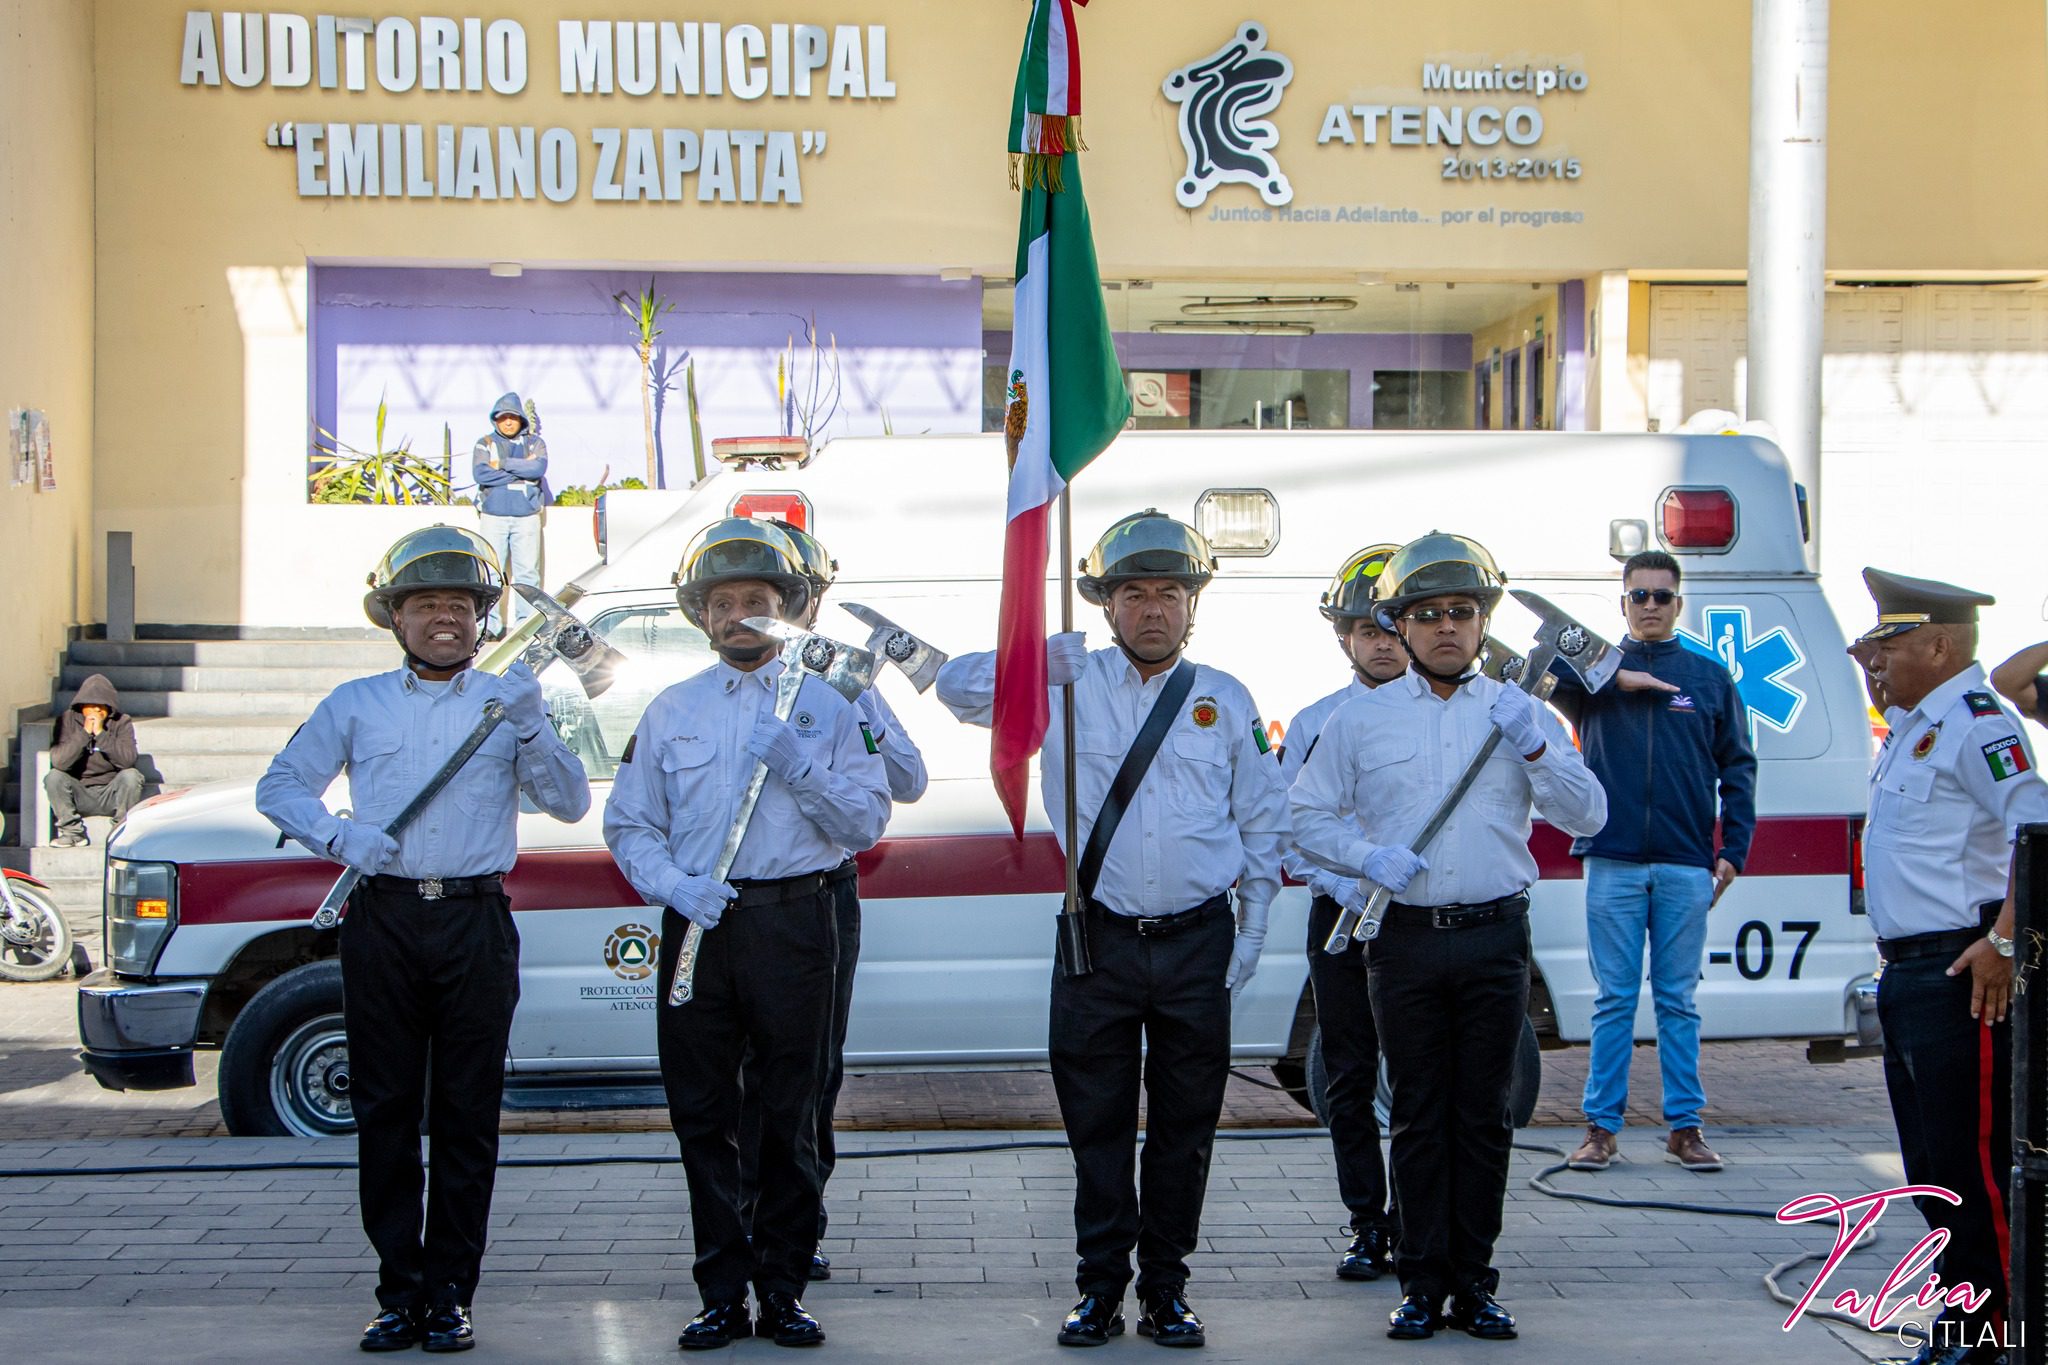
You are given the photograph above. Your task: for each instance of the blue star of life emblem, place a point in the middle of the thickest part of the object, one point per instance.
(1758, 665)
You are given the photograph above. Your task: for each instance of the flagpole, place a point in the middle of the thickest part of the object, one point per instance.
(1073, 947)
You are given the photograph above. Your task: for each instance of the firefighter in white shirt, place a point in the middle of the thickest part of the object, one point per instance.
(1210, 810)
(1449, 971)
(1350, 1041)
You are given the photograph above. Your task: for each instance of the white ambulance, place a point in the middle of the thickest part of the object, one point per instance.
(207, 910)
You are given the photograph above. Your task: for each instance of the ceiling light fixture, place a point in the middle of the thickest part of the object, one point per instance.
(1225, 328)
(1224, 308)
(507, 270)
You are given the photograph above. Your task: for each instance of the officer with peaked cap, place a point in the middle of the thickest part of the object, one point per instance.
(1952, 783)
(1168, 954)
(1449, 972)
(1350, 1041)
(885, 736)
(764, 971)
(429, 953)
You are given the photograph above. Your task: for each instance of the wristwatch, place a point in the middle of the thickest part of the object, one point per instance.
(2001, 946)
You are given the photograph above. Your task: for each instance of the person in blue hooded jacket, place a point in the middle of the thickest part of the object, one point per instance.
(1668, 738)
(510, 466)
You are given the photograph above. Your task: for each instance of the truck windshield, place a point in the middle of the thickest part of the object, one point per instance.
(661, 648)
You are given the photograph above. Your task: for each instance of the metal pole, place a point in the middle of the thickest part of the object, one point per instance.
(1073, 916)
(1788, 172)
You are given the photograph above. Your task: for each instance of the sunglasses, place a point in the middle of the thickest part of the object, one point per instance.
(1429, 616)
(1663, 597)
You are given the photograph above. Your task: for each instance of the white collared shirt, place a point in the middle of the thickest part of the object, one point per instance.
(1300, 741)
(392, 732)
(1386, 759)
(679, 786)
(1211, 810)
(899, 753)
(1953, 782)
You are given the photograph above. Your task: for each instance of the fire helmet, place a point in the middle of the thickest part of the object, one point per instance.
(1352, 591)
(1147, 544)
(1437, 565)
(736, 549)
(436, 557)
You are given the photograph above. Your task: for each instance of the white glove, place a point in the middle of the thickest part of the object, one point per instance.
(1514, 713)
(700, 899)
(525, 712)
(774, 742)
(365, 848)
(1394, 867)
(1066, 654)
(1244, 959)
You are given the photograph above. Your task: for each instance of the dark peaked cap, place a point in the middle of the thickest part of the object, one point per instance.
(1905, 604)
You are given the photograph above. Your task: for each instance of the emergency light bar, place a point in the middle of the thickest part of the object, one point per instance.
(793, 508)
(1701, 520)
(772, 452)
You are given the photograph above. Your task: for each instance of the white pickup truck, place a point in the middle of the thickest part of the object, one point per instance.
(207, 909)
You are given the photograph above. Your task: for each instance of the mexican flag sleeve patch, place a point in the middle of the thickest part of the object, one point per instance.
(627, 757)
(867, 737)
(2007, 757)
(1259, 736)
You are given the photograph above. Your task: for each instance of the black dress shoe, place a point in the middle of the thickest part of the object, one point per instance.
(720, 1324)
(393, 1329)
(1093, 1321)
(1474, 1313)
(447, 1328)
(1416, 1318)
(821, 1266)
(1367, 1258)
(783, 1318)
(1169, 1321)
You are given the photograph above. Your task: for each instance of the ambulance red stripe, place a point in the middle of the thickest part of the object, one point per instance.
(284, 889)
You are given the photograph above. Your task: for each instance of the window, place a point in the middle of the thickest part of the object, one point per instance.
(1513, 399)
(1419, 400)
(1482, 395)
(1536, 350)
(661, 647)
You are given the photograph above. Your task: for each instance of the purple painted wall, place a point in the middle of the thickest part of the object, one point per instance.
(441, 345)
(1361, 353)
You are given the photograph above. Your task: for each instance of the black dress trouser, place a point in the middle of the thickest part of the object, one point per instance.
(1156, 1004)
(764, 983)
(1351, 1057)
(1950, 1080)
(427, 981)
(1449, 1004)
(846, 916)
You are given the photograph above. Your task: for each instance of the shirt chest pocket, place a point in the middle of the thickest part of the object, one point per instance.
(378, 780)
(687, 772)
(487, 787)
(1200, 783)
(1390, 777)
(1903, 810)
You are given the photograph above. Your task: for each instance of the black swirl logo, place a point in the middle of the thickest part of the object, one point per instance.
(1222, 99)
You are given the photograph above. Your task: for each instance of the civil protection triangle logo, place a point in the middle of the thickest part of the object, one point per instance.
(1222, 97)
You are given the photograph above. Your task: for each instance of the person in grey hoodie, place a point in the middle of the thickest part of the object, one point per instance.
(92, 762)
(510, 465)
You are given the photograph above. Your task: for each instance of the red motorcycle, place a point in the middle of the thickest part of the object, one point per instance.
(35, 942)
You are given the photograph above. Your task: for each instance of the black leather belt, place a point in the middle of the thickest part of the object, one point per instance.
(776, 890)
(437, 888)
(1942, 943)
(1159, 926)
(845, 872)
(1470, 916)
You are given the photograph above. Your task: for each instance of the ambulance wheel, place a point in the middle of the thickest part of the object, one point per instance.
(284, 1066)
(1524, 1085)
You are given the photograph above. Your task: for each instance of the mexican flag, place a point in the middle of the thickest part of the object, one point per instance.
(1066, 395)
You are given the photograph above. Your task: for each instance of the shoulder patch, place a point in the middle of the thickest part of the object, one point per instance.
(627, 757)
(1981, 703)
(2007, 757)
(867, 737)
(1259, 736)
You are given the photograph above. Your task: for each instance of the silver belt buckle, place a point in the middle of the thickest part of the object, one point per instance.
(430, 888)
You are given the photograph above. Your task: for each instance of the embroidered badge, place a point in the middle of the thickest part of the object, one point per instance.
(2007, 757)
(805, 721)
(1204, 712)
(867, 737)
(627, 757)
(1926, 744)
(1682, 701)
(1259, 737)
(1981, 703)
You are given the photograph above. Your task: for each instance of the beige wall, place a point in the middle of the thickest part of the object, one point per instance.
(46, 279)
(201, 403)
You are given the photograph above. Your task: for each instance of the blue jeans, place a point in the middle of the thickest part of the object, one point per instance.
(516, 542)
(1668, 903)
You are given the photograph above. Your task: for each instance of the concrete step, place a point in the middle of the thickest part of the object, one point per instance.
(219, 705)
(189, 770)
(128, 678)
(164, 736)
(160, 631)
(369, 655)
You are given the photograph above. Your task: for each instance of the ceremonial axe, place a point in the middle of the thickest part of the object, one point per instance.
(1558, 636)
(847, 671)
(919, 661)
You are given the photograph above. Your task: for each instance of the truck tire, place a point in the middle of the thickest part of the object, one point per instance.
(284, 1066)
(1525, 1084)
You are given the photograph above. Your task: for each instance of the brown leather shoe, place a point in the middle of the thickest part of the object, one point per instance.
(1597, 1151)
(1688, 1147)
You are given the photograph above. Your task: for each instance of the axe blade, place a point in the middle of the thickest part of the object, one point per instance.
(1587, 655)
(562, 636)
(919, 661)
(846, 669)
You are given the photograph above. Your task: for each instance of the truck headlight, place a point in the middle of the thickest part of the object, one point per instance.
(141, 911)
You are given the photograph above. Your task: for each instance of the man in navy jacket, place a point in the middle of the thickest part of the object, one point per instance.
(1666, 738)
(510, 466)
